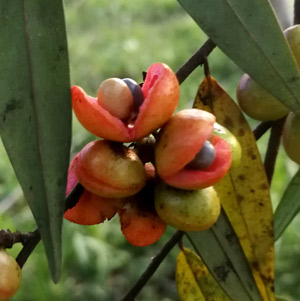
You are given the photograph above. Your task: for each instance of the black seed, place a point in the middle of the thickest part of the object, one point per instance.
(137, 93)
(204, 158)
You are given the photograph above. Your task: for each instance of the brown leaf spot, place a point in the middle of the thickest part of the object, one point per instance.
(241, 177)
(264, 186)
(228, 122)
(241, 119)
(255, 265)
(230, 236)
(241, 132)
(251, 155)
(222, 271)
(10, 107)
(239, 198)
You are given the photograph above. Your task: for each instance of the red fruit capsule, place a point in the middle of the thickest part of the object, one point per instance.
(140, 223)
(180, 140)
(198, 179)
(90, 208)
(161, 95)
(109, 169)
(141, 228)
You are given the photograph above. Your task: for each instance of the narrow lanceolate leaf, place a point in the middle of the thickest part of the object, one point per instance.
(186, 283)
(35, 110)
(239, 29)
(244, 191)
(288, 207)
(192, 276)
(222, 254)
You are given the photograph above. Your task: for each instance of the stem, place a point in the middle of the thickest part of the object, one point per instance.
(198, 58)
(262, 128)
(296, 12)
(28, 247)
(8, 239)
(152, 267)
(31, 239)
(73, 196)
(273, 146)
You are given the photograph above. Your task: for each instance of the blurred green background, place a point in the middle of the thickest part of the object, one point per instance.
(118, 38)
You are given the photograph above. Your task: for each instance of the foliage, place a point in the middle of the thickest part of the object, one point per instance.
(115, 38)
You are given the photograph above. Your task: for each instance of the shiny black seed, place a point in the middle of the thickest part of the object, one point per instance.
(137, 93)
(204, 158)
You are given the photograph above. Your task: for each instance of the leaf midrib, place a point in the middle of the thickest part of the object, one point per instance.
(35, 110)
(230, 5)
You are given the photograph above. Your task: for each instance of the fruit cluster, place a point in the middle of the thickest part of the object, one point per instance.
(164, 176)
(259, 104)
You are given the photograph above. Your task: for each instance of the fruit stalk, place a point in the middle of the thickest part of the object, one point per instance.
(297, 12)
(198, 58)
(273, 146)
(152, 267)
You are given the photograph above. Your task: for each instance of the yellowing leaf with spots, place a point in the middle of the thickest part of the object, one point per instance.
(244, 191)
(193, 280)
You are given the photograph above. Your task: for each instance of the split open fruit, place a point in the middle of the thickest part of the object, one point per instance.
(161, 95)
(178, 143)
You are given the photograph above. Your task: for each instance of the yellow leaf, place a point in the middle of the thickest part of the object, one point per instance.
(244, 191)
(194, 281)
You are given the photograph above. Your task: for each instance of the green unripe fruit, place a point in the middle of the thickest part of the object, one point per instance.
(236, 150)
(291, 137)
(187, 210)
(256, 102)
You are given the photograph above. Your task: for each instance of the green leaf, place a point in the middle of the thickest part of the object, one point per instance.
(221, 252)
(281, 299)
(35, 110)
(288, 207)
(249, 33)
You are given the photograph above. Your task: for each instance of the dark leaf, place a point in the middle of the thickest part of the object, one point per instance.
(35, 110)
